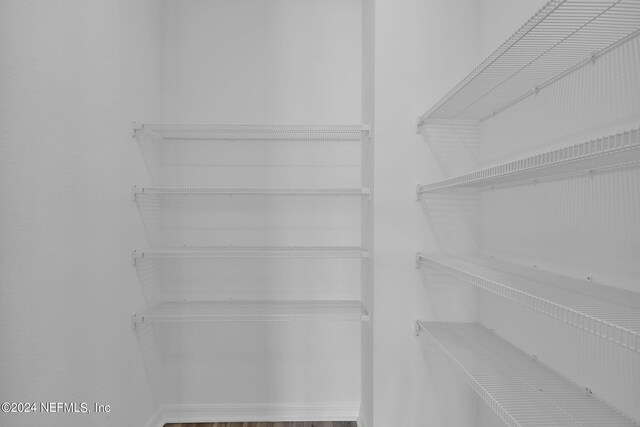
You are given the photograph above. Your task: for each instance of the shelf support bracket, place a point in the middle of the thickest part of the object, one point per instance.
(135, 127)
(417, 260)
(134, 191)
(417, 328)
(134, 321)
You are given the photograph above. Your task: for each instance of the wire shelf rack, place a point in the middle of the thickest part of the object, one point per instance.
(248, 132)
(516, 386)
(609, 313)
(619, 150)
(251, 252)
(253, 311)
(560, 38)
(247, 191)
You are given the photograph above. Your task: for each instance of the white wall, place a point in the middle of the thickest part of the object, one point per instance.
(499, 19)
(423, 48)
(256, 61)
(72, 77)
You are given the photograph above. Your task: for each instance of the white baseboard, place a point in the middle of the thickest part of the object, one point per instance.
(183, 413)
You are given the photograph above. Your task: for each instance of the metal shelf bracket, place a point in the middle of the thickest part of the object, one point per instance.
(135, 127)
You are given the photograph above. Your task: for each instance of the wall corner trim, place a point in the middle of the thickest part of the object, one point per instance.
(155, 420)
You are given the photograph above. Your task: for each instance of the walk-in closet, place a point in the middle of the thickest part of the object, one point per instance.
(320, 213)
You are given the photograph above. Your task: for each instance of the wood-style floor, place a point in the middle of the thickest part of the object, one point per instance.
(276, 424)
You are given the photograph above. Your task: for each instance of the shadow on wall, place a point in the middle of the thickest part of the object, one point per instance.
(452, 393)
(185, 278)
(454, 218)
(596, 100)
(455, 144)
(238, 162)
(592, 225)
(449, 299)
(453, 215)
(148, 343)
(251, 219)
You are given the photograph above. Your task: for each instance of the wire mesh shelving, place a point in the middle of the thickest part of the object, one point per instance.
(251, 252)
(247, 191)
(563, 36)
(619, 150)
(516, 386)
(253, 311)
(607, 312)
(248, 132)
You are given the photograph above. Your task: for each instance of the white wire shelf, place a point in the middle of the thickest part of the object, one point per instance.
(516, 386)
(250, 252)
(610, 313)
(247, 191)
(248, 132)
(560, 38)
(619, 150)
(253, 311)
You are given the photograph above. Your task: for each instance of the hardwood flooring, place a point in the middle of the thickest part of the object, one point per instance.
(276, 424)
